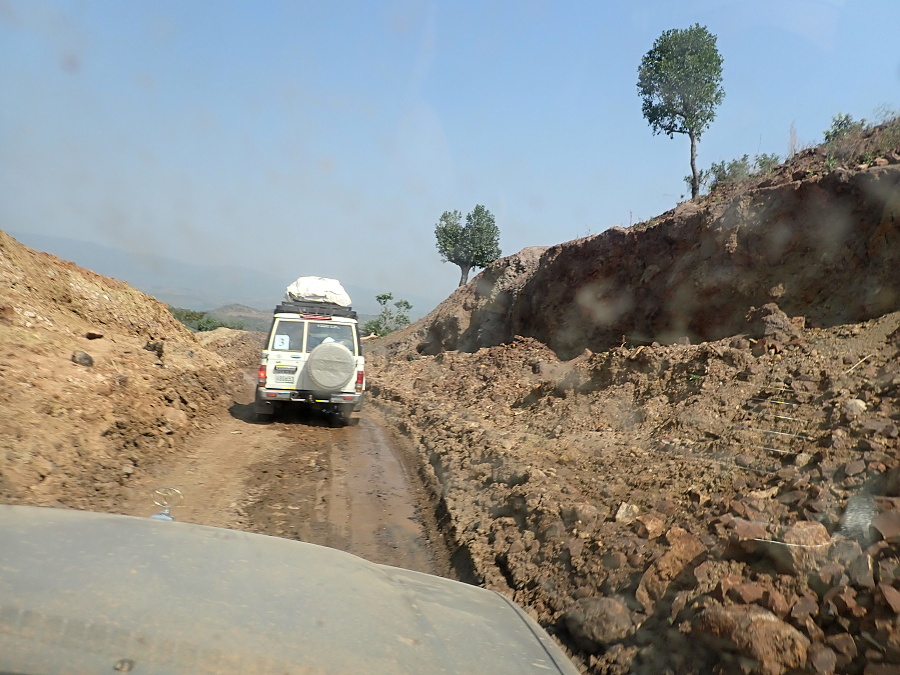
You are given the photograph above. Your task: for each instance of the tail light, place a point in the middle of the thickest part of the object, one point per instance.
(261, 376)
(360, 381)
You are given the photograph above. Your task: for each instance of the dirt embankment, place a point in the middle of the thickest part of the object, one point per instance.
(98, 382)
(823, 246)
(729, 506)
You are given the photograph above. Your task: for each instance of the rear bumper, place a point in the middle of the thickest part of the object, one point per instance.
(264, 395)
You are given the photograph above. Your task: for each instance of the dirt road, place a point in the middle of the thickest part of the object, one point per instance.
(298, 478)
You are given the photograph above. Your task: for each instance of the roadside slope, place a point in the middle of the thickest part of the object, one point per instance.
(824, 245)
(671, 472)
(99, 382)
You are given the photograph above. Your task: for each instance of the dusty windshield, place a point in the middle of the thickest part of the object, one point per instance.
(627, 275)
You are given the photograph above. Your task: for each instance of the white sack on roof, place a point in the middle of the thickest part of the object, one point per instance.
(317, 289)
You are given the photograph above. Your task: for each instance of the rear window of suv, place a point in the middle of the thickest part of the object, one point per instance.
(288, 335)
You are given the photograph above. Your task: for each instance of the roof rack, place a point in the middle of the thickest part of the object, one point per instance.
(315, 309)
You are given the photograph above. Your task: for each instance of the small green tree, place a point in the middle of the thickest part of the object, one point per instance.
(680, 80)
(389, 319)
(475, 244)
(735, 171)
(842, 125)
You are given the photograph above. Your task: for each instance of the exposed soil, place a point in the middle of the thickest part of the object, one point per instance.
(298, 478)
(647, 476)
(625, 433)
(664, 506)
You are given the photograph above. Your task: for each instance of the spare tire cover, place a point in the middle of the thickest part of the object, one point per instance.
(329, 366)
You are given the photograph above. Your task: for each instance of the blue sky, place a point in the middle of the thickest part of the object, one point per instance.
(327, 138)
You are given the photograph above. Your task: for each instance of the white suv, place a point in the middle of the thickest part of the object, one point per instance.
(312, 357)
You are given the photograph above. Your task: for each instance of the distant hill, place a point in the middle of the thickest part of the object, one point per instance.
(250, 318)
(189, 285)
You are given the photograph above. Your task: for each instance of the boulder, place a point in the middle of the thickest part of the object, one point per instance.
(594, 623)
(683, 549)
(773, 646)
(82, 358)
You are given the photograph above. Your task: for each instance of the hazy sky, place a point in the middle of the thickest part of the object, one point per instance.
(326, 138)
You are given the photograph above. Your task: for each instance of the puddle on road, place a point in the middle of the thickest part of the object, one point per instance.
(347, 489)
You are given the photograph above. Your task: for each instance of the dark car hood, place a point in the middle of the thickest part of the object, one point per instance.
(87, 592)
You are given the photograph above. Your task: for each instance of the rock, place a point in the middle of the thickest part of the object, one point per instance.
(826, 576)
(727, 583)
(854, 468)
(745, 530)
(822, 659)
(844, 645)
(585, 513)
(890, 430)
(43, 466)
(775, 602)
(770, 323)
(739, 342)
(803, 547)
(683, 549)
(155, 346)
(804, 606)
(627, 513)
(614, 560)
(854, 407)
(747, 593)
(888, 570)
(891, 597)
(862, 572)
(176, 418)
(649, 526)
(808, 543)
(845, 551)
(82, 358)
(596, 622)
(888, 524)
(841, 601)
(803, 459)
(813, 631)
(755, 633)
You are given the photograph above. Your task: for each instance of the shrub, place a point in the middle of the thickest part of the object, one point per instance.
(856, 142)
(736, 171)
(842, 125)
(389, 319)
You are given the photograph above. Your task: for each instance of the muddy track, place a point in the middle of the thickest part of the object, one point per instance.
(347, 488)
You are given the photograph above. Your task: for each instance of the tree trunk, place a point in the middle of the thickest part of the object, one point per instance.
(695, 177)
(464, 274)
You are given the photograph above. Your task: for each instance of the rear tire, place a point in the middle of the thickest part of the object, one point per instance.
(345, 414)
(265, 411)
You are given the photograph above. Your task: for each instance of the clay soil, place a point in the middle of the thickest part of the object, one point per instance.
(672, 481)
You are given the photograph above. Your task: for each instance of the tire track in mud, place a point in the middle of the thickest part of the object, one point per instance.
(297, 478)
(344, 488)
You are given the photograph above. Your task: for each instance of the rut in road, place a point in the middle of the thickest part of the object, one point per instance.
(298, 478)
(347, 489)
